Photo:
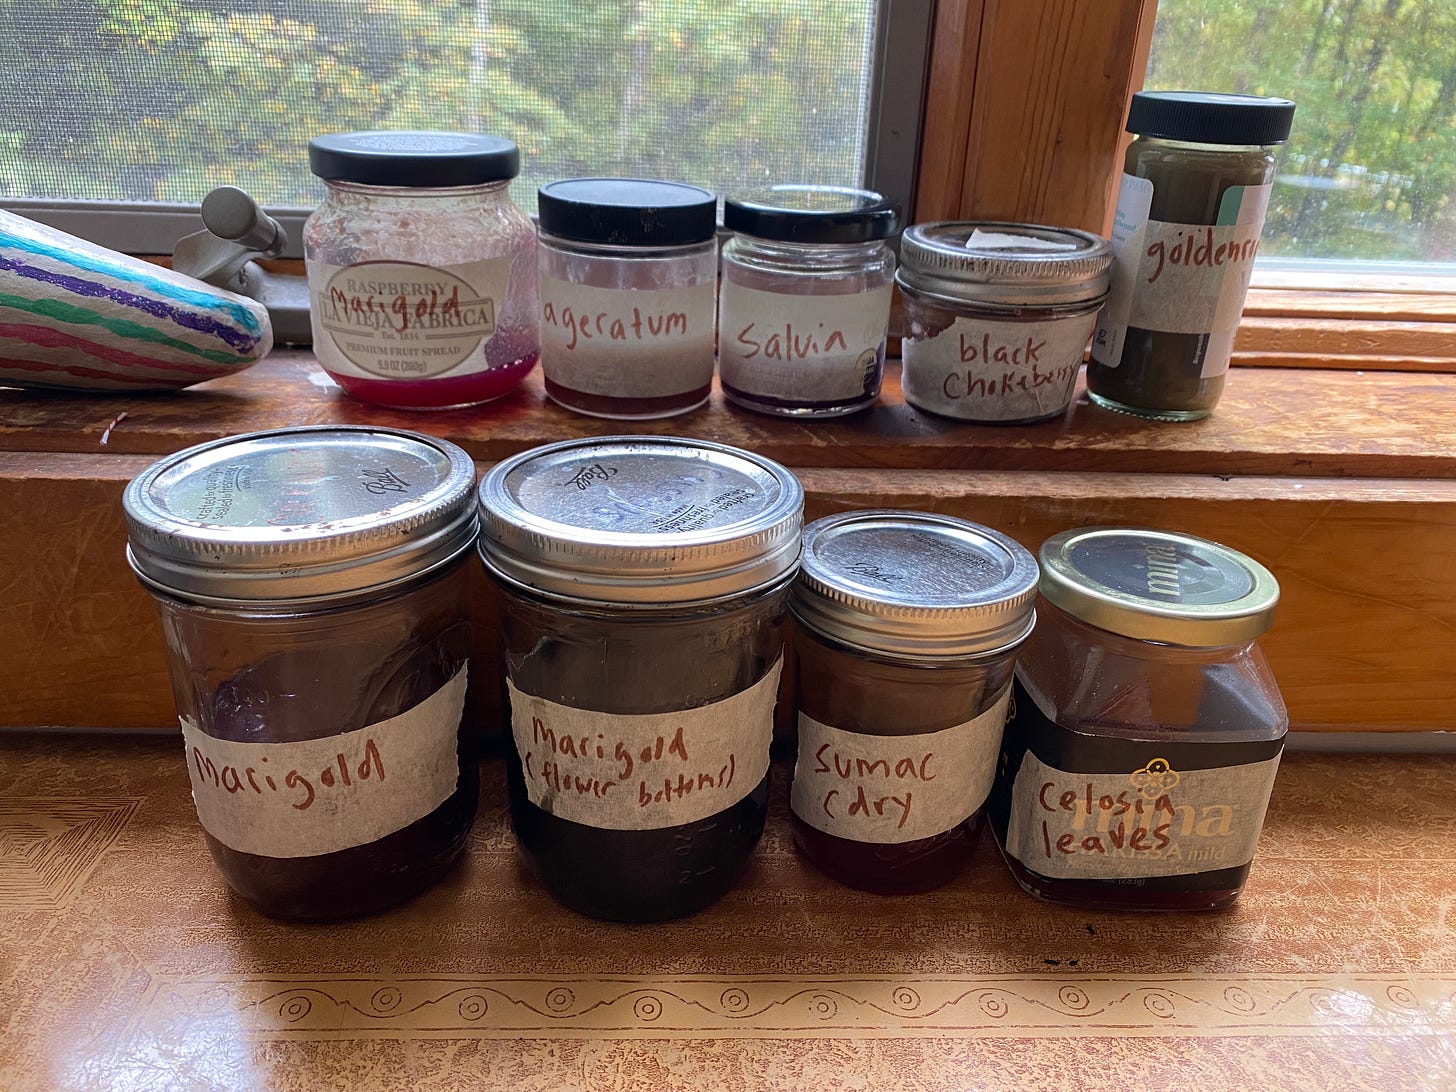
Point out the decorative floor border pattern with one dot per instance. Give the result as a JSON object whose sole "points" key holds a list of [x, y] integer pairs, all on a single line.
{"points": [[797, 1007]]}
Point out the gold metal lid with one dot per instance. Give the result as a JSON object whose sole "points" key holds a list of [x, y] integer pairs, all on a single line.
{"points": [[1161, 586]]}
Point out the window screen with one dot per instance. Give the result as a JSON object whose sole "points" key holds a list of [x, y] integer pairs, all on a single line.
{"points": [[160, 100]]}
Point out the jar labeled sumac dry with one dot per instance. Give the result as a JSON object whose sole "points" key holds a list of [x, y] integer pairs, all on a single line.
{"points": [[1147, 730], [906, 631], [642, 585], [313, 588]]}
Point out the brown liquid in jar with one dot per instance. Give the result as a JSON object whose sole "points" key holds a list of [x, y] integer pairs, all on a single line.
{"points": [[602, 405], [857, 691], [653, 662], [383, 660]]}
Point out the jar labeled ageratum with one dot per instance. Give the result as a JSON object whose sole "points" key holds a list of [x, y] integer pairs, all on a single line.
{"points": [[1190, 211], [421, 270], [997, 317], [629, 268], [642, 586], [805, 300], [907, 627], [1147, 730], [313, 586]]}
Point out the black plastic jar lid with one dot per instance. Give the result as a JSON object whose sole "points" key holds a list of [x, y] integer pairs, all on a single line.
{"points": [[627, 211], [1203, 117], [416, 158], [812, 214]]}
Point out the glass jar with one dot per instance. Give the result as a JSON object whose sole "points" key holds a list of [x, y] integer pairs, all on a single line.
{"points": [[997, 317], [1190, 210], [805, 299], [313, 587], [906, 631], [628, 271], [1147, 728], [642, 586], [421, 269]]}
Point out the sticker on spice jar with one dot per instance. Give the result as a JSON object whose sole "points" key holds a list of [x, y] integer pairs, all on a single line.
{"points": [[991, 370], [891, 789], [623, 343], [324, 795], [798, 348], [643, 771]]}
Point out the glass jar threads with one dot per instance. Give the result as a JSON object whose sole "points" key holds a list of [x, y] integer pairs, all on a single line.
{"points": [[421, 270], [629, 267], [642, 585], [805, 299], [997, 317], [1190, 211], [907, 627], [313, 587], [1147, 730]]}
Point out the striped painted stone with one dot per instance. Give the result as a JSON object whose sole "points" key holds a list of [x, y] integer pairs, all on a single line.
{"points": [[76, 316]]}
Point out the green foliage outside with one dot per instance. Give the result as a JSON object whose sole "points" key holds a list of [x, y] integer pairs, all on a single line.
{"points": [[1370, 170], [160, 100]]}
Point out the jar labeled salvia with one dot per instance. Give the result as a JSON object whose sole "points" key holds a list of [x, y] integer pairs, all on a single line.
{"points": [[313, 586], [629, 268], [1137, 767], [1190, 211], [421, 270], [907, 628], [997, 317], [642, 586], [805, 299]]}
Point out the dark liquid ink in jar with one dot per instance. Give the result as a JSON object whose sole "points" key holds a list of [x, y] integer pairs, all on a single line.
{"points": [[1147, 728], [313, 586], [642, 588], [906, 631]]}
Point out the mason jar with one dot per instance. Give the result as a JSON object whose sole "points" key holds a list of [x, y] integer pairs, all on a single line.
{"points": [[907, 626], [313, 588], [421, 269], [642, 591], [804, 304], [629, 267], [1190, 211], [1147, 727]]}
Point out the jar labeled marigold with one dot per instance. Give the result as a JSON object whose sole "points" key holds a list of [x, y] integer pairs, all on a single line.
{"points": [[313, 587], [907, 628], [1138, 764], [642, 585]]}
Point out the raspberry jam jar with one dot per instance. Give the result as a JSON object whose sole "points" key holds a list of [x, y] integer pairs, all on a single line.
{"points": [[313, 587], [642, 591], [906, 631], [1147, 727], [421, 269]]}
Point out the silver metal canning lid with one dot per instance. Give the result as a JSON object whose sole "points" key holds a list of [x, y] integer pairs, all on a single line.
{"points": [[640, 520], [914, 583], [1159, 586], [299, 514], [1017, 264]]}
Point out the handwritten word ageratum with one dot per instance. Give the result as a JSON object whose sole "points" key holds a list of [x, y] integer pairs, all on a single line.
{"points": [[599, 766], [301, 786], [605, 326], [859, 770]]}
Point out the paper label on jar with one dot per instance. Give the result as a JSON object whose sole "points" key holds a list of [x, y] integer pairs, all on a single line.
{"points": [[403, 320], [800, 348], [993, 370], [627, 343], [322, 795], [1149, 808], [890, 789], [1190, 278], [643, 771], [1134, 200]]}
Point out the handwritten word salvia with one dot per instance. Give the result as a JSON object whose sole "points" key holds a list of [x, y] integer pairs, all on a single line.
{"points": [[302, 786], [791, 344]]}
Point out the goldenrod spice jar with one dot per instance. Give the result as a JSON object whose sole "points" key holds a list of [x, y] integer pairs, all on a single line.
{"points": [[313, 585], [907, 629], [1137, 767]]}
